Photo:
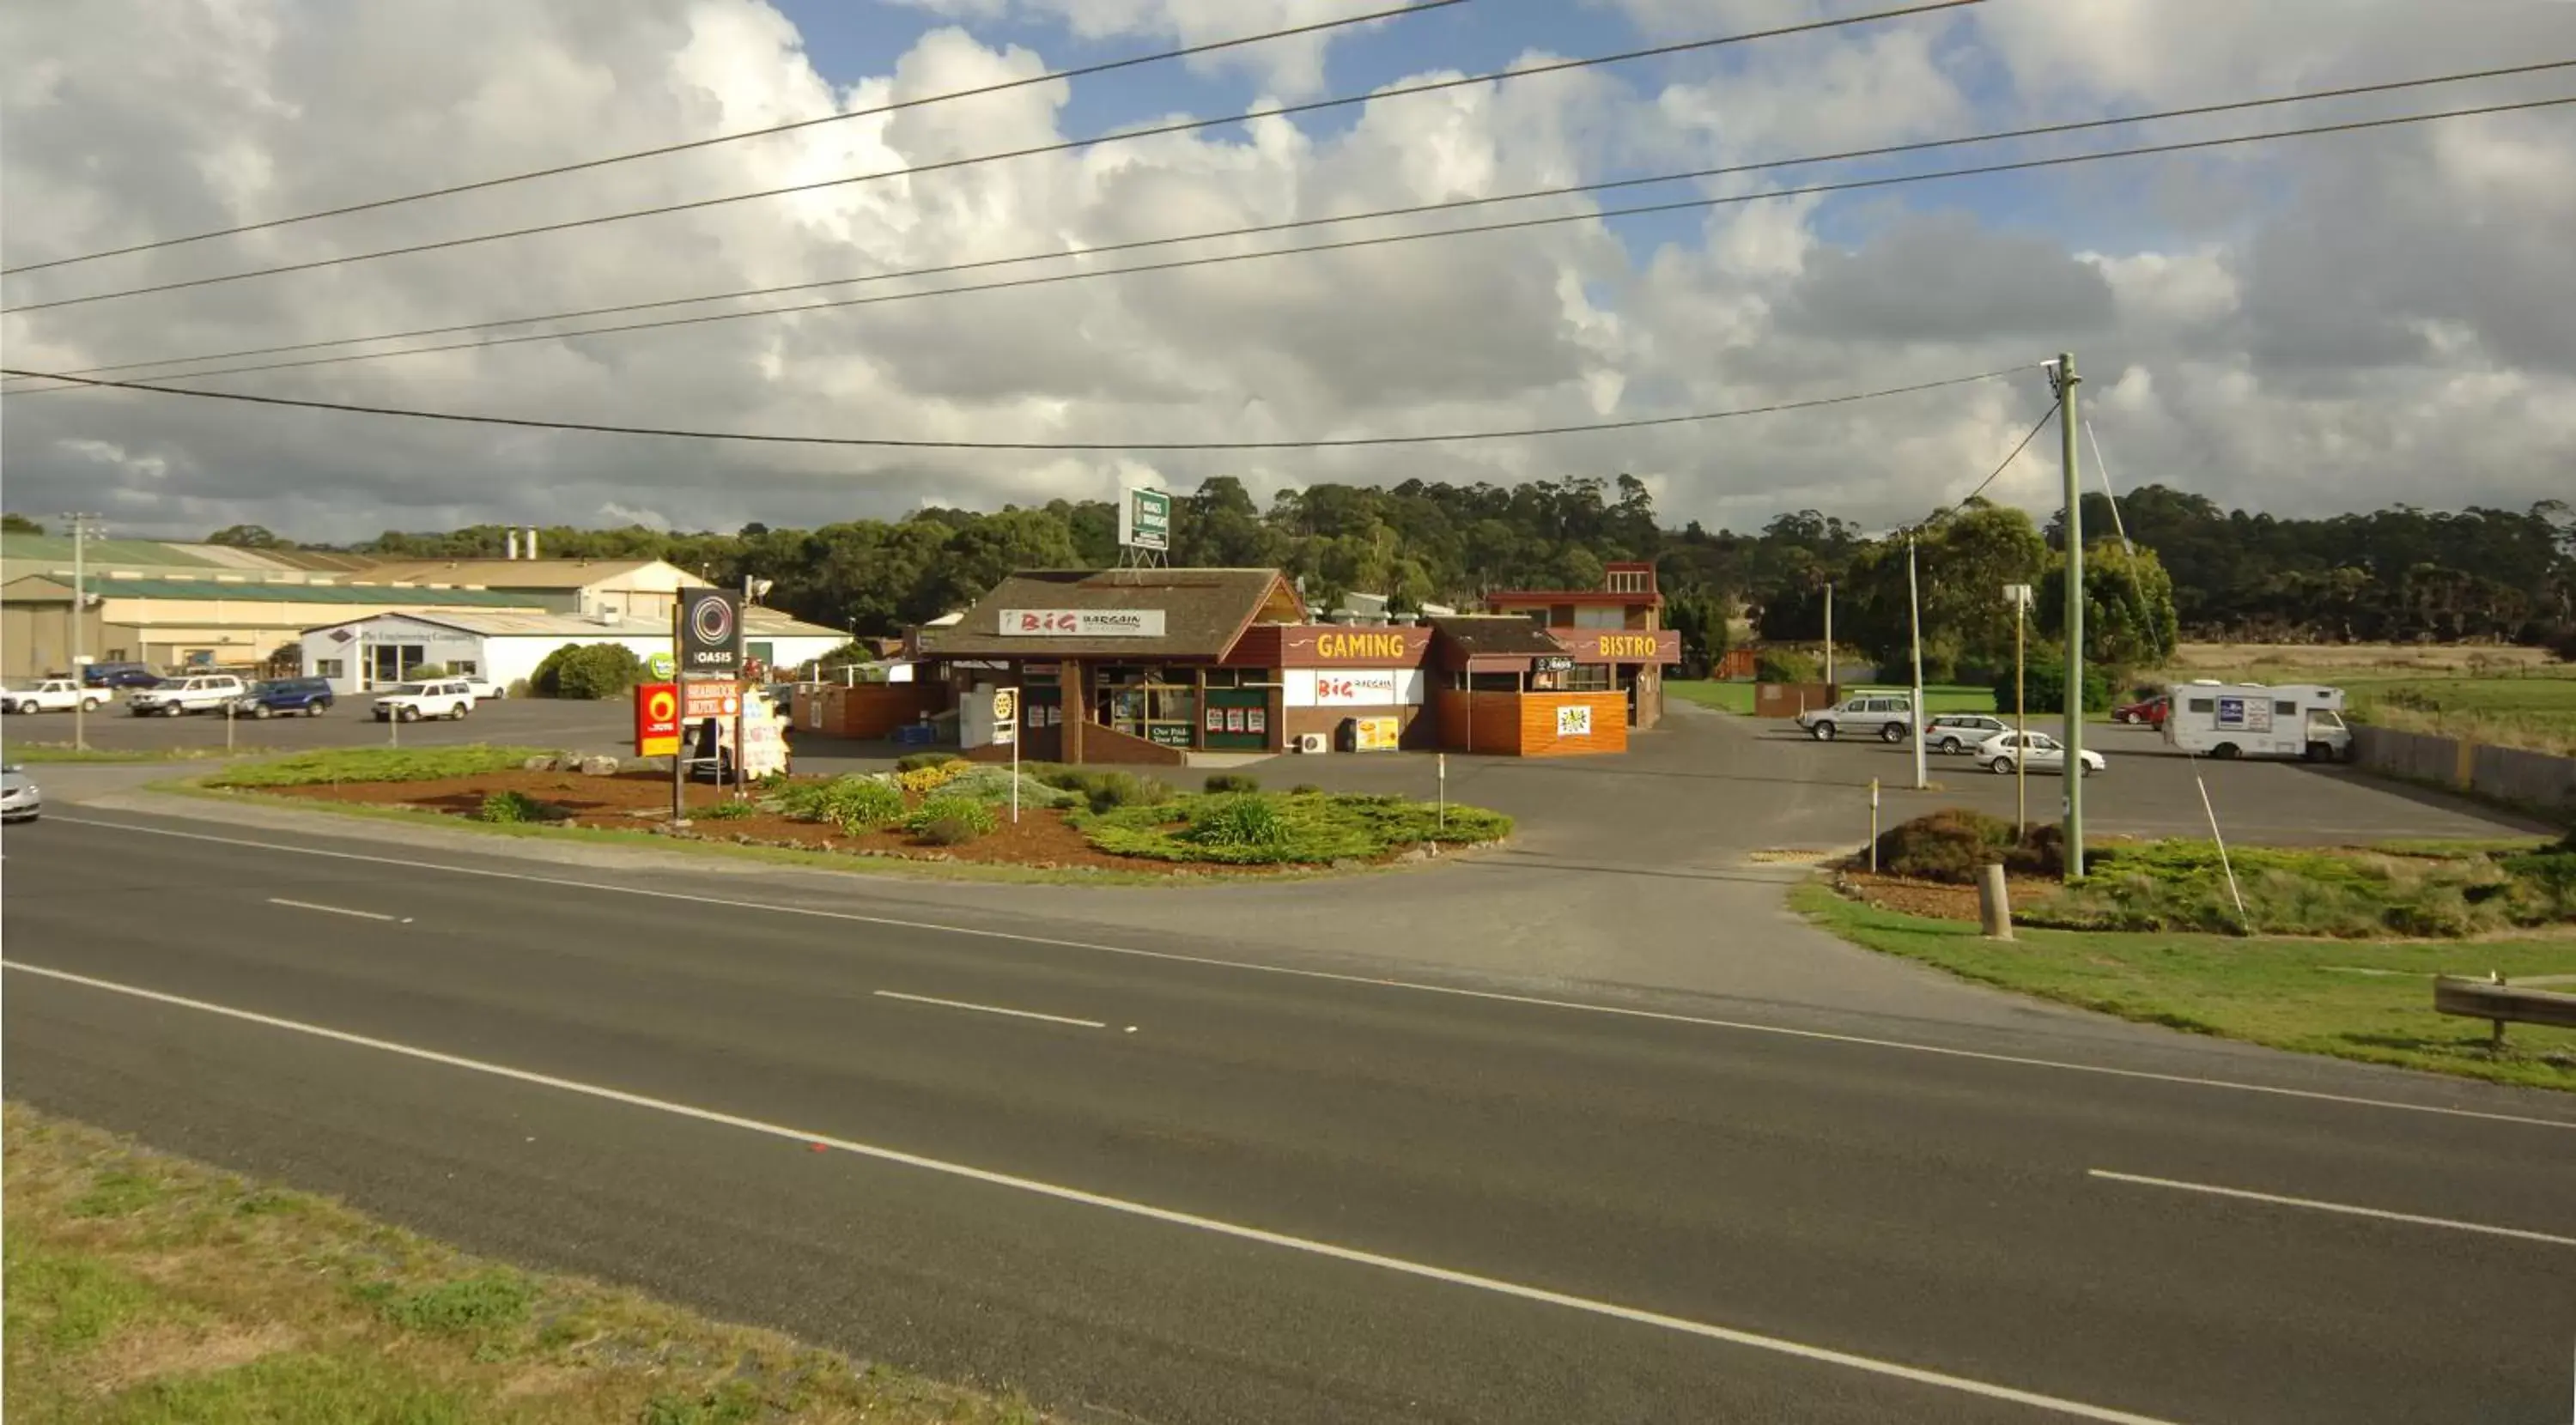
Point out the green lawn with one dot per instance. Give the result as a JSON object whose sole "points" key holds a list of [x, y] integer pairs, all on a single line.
{"points": [[34, 753], [145, 1289], [1738, 697], [2368, 1000]]}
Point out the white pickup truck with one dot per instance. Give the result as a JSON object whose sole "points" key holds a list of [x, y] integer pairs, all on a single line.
{"points": [[52, 695], [410, 702]]}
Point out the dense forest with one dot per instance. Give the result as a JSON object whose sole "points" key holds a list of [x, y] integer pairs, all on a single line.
{"points": [[2192, 569]]}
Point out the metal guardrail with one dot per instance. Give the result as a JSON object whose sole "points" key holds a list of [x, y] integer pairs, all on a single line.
{"points": [[2502, 1003]]}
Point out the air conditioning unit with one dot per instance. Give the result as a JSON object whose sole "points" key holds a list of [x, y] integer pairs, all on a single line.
{"points": [[1313, 742]]}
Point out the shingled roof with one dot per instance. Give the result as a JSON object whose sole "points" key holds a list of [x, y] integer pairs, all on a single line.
{"points": [[1497, 636], [1204, 612]]}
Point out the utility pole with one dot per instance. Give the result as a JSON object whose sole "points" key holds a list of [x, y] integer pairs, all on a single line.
{"points": [[1829, 642], [2067, 424], [80, 523], [1914, 598]]}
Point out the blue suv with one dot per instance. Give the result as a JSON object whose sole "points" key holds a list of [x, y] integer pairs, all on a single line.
{"points": [[118, 675], [275, 696]]}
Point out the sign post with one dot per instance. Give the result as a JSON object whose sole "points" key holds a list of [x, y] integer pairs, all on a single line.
{"points": [[1441, 760], [706, 641], [1145, 520], [679, 759], [1006, 728]]}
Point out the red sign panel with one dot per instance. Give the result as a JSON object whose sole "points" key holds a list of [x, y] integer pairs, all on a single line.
{"points": [[657, 720]]}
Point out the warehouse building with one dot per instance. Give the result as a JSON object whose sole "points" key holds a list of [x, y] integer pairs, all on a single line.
{"points": [[505, 646]]}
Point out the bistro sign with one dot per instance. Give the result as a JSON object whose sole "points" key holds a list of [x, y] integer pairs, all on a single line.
{"points": [[1080, 623], [1661, 645]]}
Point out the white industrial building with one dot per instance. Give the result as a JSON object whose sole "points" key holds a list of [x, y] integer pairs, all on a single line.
{"points": [[505, 647]]}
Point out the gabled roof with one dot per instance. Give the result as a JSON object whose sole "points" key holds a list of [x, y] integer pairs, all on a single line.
{"points": [[1204, 612], [99, 552], [1496, 635], [530, 623]]}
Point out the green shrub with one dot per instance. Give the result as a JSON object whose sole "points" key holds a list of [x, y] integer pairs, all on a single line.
{"points": [[1305, 789], [513, 807], [727, 811], [915, 761], [586, 670], [991, 782], [953, 821], [1784, 665], [2044, 687], [1219, 782], [425, 672], [1947, 846], [1104, 790], [852, 804], [1245, 819]]}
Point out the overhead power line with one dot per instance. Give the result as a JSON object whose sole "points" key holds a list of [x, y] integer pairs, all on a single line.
{"points": [[1080, 72], [1180, 126], [1844, 186], [1261, 229], [1331, 443]]}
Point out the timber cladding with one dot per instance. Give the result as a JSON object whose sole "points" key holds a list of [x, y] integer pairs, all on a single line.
{"points": [[1533, 724]]}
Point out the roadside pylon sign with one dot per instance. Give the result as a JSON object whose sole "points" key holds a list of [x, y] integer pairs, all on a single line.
{"points": [[657, 720]]}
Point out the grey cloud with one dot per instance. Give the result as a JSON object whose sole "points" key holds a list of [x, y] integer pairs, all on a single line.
{"points": [[1941, 276]]}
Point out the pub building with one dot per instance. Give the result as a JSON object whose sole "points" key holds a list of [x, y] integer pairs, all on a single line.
{"points": [[1149, 665]]}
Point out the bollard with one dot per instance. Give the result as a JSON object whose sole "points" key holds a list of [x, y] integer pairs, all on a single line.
{"points": [[1994, 903], [1873, 826]]}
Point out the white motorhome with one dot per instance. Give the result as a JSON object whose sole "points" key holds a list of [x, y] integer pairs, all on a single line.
{"points": [[2257, 720]]}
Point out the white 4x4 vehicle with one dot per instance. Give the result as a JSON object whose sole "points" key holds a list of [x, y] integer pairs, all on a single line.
{"points": [[1887, 716], [448, 697], [53, 695], [199, 692]]}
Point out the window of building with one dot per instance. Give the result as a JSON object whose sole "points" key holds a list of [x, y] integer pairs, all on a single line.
{"points": [[465, 667], [1494, 682], [1224, 677], [1600, 616], [330, 668], [1587, 678], [1627, 581]]}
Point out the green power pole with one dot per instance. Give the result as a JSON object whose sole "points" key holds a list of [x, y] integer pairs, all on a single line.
{"points": [[2067, 424]]}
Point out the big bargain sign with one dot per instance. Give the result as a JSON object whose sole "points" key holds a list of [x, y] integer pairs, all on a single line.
{"points": [[657, 720]]}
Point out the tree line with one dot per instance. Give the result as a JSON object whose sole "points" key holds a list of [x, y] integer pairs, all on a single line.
{"points": [[2186, 570]]}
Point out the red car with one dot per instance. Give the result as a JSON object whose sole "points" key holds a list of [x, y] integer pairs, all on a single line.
{"points": [[2149, 712]]}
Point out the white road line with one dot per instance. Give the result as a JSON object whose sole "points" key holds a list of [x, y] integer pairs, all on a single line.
{"points": [[330, 909], [2346, 1208], [1493, 996], [1730, 1335], [991, 1009]]}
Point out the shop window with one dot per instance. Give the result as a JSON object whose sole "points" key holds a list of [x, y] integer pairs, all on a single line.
{"points": [[333, 668], [1224, 677], [1588, 678], [465, 667], [1158, 712], [1494, 682]]}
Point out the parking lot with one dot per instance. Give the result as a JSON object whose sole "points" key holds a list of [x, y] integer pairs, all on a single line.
{"points": [[537, 721], [2149, 789]]}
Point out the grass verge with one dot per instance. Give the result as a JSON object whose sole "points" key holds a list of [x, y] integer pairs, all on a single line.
{"points": [[2371, 1001], [32, 753], [145, 1289], [1738, 697], [374, 764]]}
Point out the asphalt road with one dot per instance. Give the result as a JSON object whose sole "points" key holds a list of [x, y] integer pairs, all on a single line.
{"points": [[1202, 1192]]}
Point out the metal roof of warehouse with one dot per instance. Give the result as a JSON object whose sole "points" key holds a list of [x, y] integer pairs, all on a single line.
{"points": [[252, 589], [756, 623]]}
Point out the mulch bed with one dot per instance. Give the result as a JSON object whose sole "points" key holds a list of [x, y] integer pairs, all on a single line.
{"points": [[1934, 899], [641, 801]]}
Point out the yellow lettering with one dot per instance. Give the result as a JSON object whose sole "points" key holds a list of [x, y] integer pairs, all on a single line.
{"points": [[1359, 645]]}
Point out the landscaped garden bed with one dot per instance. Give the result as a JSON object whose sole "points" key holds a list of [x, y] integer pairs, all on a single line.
{"points": [[929, 809]]}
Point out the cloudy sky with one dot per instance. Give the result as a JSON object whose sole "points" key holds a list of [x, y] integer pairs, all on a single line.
{"points": [[2305, 326]]}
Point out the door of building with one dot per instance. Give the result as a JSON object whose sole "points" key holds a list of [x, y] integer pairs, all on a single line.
{"points": [[1236, 720]]}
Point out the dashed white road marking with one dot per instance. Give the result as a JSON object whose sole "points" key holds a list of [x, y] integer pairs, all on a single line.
{"points": [[990, 1009], [2345, 1208]]}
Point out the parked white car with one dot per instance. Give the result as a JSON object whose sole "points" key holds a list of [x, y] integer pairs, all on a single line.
{"points": [[484, 689], [198, 692], [2038, 751], [410, 702], [52, 695]]}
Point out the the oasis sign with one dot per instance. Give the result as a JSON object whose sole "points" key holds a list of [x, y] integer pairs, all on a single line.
{"points": [[1081, 623]]}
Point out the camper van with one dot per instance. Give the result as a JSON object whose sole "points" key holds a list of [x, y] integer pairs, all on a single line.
{"points": [[2254, 720]]}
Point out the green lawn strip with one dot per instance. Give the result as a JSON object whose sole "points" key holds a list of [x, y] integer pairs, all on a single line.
{"points": [[145, 1289], [1738, 697], [374, 764], [32, 753], [1270, 828], [2367, 1000]]}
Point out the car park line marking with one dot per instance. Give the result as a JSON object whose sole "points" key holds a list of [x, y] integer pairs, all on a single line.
{"points": [[2342, 1207], [1424, 987], [335, 909], [990, 1009], [1081, 1197]]}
